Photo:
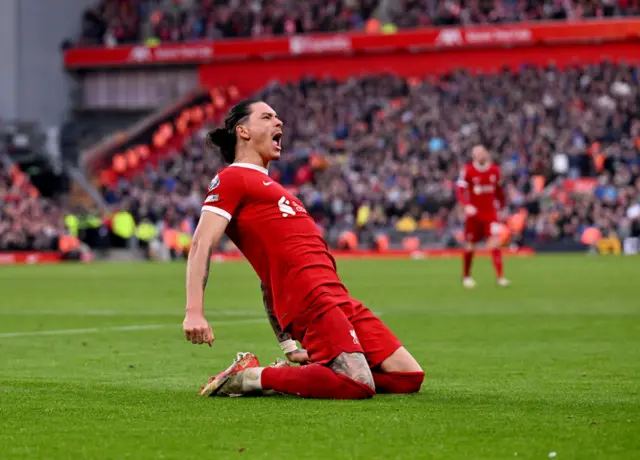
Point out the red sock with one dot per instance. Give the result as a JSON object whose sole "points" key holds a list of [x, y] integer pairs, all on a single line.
{"points": [[398, 382], [467, 259], [496, 257], [313, 381]]}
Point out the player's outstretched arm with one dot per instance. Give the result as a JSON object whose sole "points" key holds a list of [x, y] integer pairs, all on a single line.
{"points": [[288, 345], [208, 232]]}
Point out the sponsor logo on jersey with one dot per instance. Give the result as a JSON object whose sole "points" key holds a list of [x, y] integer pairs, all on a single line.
{"points": [[266, 184], [214, 183], [212, 198], [285, 208], [480, 189], [290, 207]]}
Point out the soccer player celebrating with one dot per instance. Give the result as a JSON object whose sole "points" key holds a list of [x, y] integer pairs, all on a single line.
{"points": [[482, 196], [353, 354]]}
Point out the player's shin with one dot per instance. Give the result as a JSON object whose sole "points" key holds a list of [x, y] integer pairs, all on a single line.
{"points": [[467, 261], [496, 259], [314, 381]]}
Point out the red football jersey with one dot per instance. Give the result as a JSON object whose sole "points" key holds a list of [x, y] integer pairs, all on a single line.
{"points": [[482, 188], [272, 229]]}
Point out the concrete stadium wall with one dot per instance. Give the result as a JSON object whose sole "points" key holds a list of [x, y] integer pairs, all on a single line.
{"points": [[33, 84], [8, 59]]}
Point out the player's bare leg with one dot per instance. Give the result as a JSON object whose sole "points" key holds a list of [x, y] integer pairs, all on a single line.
{"points": [[399, 373], [467, 261], [493, 244]]}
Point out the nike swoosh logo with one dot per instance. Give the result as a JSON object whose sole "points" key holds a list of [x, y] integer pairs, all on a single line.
{"points": [[266, 184]]}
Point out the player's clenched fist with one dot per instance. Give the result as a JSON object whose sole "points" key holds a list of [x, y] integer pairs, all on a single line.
{"points": [[197, 330]]}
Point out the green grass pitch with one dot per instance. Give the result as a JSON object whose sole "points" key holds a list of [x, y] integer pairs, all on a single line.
{"points": [[93, 364]]}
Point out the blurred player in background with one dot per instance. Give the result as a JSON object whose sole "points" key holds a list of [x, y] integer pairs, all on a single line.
{"points": [[353, 354], [480, 192]]}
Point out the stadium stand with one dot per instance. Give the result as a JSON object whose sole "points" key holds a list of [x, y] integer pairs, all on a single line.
{"points": [[113, 22], [380, 154], [373, 157], [27, 221], [416, 13]]}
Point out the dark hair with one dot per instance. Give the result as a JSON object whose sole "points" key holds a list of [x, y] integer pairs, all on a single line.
{"points": [[225, 138]]}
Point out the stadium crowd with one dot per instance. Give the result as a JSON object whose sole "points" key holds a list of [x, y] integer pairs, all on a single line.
{"points": [[112, 22], [381, 153], [27, 221]]}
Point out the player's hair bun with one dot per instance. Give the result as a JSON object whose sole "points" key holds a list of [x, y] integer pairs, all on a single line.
{"points": [[218, 138], [224, 140]]}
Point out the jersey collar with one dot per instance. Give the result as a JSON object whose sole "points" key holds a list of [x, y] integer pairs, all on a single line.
{"points": [[250, 166], [482, 168]]}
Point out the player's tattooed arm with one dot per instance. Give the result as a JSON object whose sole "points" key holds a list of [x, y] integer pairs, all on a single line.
{"points": [[275, 324], [287, 344], [354, 366]]}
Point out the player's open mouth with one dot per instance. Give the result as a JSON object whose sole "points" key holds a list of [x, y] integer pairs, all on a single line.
{"points": [[276, 140]]}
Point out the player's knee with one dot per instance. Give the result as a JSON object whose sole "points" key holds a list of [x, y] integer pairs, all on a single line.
{"points": [[355, 367], [493, 243]]}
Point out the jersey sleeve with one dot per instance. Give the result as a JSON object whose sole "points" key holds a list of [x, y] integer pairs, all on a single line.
{"points": [[224, 194]]}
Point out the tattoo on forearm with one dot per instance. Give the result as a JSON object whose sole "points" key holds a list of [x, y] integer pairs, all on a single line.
{"points": [[354, 366], [275, 324], [206, 270]]}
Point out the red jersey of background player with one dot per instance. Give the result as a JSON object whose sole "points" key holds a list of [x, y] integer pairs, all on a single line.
{"points": [[272, 229], [481, 187]]}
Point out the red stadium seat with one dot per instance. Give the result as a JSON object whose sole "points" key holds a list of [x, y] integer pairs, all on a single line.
{"points": [[119, 163]]}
